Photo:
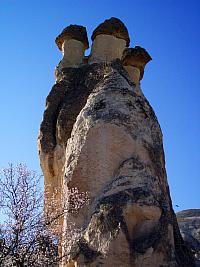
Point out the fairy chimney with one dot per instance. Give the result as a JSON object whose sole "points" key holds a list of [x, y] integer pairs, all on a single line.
{"points": [[101, 152], [134, 61], [110, 39], [72, 42]]}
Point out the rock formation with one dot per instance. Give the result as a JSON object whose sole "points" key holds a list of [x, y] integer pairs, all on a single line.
{"points": [[100, 147], [189, 223]]}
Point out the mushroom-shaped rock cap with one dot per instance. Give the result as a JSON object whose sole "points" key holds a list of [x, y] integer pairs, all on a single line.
{"points": [[76, 32], [137, 57], [112, 26]]}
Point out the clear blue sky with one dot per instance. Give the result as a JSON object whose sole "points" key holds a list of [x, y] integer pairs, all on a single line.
{"points": [[169, 30]]}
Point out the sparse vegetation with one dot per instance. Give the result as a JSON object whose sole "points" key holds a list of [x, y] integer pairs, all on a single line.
{"points": [[29, 236], [25, 239]]}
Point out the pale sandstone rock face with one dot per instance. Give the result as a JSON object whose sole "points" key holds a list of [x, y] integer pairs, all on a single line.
{"points": [[73, 53], [72, 42], [100, 136], [106, 48], [110, 39]]}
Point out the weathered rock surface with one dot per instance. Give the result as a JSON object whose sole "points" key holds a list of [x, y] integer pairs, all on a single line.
{"points": [[75, 32], [136, 57], [189, 223], [110, 39], [73, 42], [100, 138], [114, 27], [106, 48]]}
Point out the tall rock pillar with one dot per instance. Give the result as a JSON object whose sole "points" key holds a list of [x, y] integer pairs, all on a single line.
{"points": [[101, 145]]}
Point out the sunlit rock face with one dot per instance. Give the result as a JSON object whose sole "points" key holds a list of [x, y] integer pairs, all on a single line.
{"points": [[101, 146], [73, 53], [110, 39], [106, 48], [72, 42]]}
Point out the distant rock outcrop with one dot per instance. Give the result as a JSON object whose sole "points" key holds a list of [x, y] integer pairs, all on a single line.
{"points": [[100, 143], [189, 224]]}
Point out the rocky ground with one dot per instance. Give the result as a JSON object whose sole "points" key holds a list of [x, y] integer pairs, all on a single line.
{"points": [[189, 223]]}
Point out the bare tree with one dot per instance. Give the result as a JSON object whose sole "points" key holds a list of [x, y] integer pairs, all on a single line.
{"points": [[25, 239], [29, 236]]}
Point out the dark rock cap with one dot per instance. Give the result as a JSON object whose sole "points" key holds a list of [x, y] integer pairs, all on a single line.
{"points": [[136, 54], [137, 57], [76, 32], [112, 26]]}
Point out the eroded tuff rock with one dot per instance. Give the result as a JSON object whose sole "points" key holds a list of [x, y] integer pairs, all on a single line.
{"points": [[72, 42], [110, 39], [100, 136], [189, 223], [136, 57], [114, 27], [76, 32]]}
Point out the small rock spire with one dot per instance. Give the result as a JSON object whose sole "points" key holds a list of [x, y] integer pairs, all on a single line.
{"points": [[110, 38], [135, 60], [114, 27], [73, 42], [75, 32]]}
